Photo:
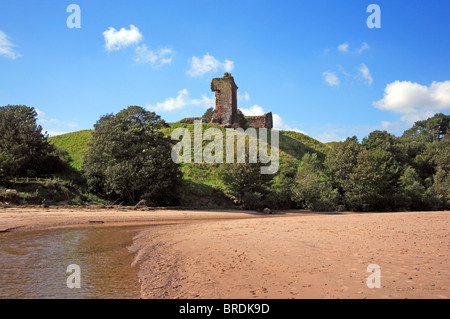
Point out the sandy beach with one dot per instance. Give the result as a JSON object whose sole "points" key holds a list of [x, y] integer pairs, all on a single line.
{"points": [[298, 257], [236, 254]]}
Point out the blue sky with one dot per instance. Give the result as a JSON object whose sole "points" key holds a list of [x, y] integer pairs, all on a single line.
{"points": [[315, 64]]}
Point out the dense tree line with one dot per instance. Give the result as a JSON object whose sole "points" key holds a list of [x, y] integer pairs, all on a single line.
{"points": [[129, 161], [381, 173]]}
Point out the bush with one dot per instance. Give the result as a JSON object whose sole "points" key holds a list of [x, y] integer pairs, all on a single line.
{"points": [[241, 121], [246, 184], [207, 117]]}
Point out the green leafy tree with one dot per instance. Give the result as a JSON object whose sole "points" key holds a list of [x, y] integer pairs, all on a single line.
{"points": [[6, 166], [24, 145], [310, 188], [341, 161], [129, 158], [439, 155], [379, 139], [415, 192], [280, 195], [246, 184], [441, 188], [434, 128], [372, 185]]}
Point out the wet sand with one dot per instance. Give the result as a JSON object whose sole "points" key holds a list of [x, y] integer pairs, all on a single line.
{"points": [[235, 254], [29, 218]]}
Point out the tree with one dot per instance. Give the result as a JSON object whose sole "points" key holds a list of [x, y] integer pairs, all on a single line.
{"points": [[24, 144], [415, 193], [439, 155], [310, 188], [280, 195], [434, 128], [340, 162], [372, 184], [379, 139], [129, 159], [246, 184], [6, 166]]}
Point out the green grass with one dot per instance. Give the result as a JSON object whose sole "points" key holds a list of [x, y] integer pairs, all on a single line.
{"points": [[76, 144], [200, 179], [292, 144], [332, 144]]}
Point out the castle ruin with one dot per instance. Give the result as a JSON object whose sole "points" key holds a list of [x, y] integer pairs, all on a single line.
{"points": [[226, 105]]}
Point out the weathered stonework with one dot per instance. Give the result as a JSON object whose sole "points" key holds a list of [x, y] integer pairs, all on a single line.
{"points": [[226, 100], [226, 105], [263, 121]]}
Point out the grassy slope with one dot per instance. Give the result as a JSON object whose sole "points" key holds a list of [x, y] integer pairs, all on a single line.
{"points": [[201, 179], [76, 144]]}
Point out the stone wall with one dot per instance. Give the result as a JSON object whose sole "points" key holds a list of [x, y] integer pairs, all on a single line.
{"points": [[263, 121], [226, 100]]}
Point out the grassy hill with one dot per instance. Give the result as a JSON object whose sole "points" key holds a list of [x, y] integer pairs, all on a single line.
{"points": [[76, 144], [201, 180]]}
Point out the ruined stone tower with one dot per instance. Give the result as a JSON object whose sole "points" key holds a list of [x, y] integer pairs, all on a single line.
{"points": [[226, 105], [226, 100]]}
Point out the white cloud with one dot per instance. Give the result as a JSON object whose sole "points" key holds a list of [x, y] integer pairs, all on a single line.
{"points": [[343, 47], [386, 124], [363, 47], [342, 70], [415, 101], [7, 48], [154, 58], [54, 126], [243, 97], [329, 137], [208, 63], [182, 100], [115, 40], [228, 66], [396, 127], [365, 73], [331, 78], [54, 121], [278, 122], [39, 113], [55, 132], [255, 110]]}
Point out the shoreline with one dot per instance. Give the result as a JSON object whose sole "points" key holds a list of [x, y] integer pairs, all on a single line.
{"points": [[24, 218], [215, 254], [30, 217]]}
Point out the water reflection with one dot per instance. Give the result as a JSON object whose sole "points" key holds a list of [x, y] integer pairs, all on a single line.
{"points": [[33, 264]]}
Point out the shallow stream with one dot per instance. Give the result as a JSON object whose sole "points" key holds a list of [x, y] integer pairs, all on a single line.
{"points": [[33, 264]]}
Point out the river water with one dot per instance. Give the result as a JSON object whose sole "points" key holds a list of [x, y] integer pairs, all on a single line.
{"points": [[33, 264]]}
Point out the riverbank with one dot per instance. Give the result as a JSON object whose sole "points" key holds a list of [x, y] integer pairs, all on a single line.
{"points": [[238, 254], [30, 218]]}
